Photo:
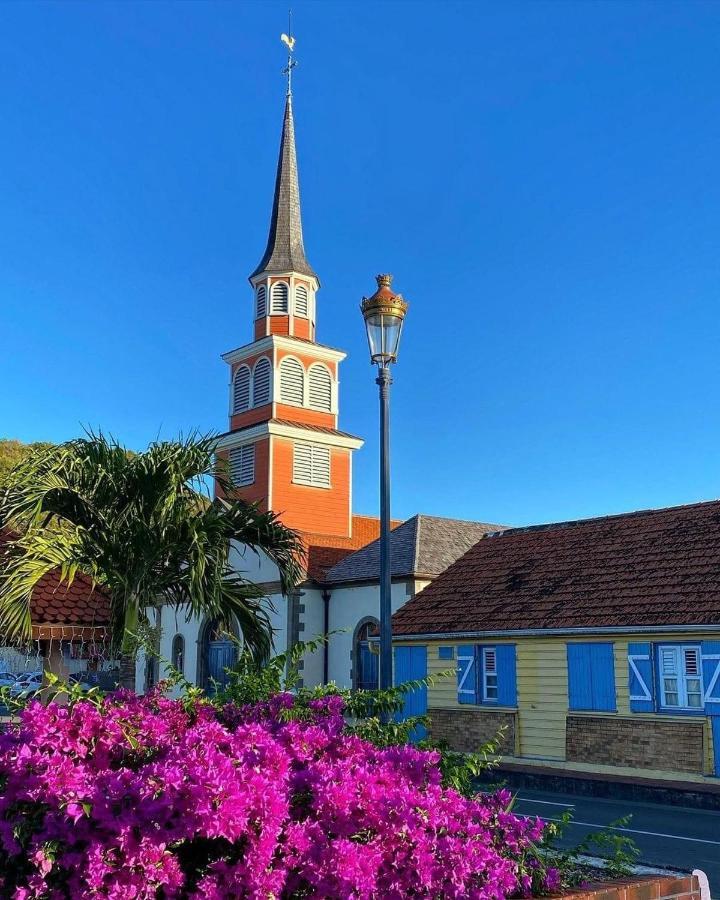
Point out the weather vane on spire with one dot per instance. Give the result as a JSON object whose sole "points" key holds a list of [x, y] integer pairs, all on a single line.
{"points": [[289, 42]]}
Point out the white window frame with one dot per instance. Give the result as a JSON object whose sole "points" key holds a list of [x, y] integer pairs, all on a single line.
{"points": [[261, 291], [489, 675], [272, 309], [680, 675], [296, 310], [331, 386], [245, 450], [303, 380], [233, 398], [266, 360], [317, 454]]}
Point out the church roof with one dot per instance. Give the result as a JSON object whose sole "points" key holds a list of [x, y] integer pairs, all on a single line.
{"points": [[423, 545], [656, 567], [285, 251]]}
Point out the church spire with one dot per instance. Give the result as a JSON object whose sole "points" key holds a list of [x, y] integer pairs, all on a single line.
{"points": [[285, 251]]}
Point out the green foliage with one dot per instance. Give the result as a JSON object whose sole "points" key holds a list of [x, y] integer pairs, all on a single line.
{"points": [[618, 852], [13, 452], [143, 526], [461, 771]]}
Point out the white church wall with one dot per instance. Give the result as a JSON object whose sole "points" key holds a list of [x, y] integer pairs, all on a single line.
{"points": [[348, 607], [312, 618]]}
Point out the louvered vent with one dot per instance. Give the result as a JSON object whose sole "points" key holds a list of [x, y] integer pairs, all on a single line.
{"points": [[261, 302], [292, 377], [669, 661], [261, 382], [490, 661], [692, 661], [301, 301], [311, 465], [320, 387], [242, 465], [279, 298], [241, 390]]}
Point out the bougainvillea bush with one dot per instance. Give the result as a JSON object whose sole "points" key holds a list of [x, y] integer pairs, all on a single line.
{"points": [[130, 797]]}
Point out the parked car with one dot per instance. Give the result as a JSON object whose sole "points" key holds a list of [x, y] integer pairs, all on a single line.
{"points": [[7, 679], [26, 684]]}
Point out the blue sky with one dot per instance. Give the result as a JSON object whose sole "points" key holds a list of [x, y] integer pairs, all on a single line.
{"points": [[542, 179]]}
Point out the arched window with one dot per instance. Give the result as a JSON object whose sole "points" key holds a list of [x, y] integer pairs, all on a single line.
{"points": [[261, 382], [279, 298], [301, 301], [241, 390], [292, 382], [365, 662], [320, 387], [178, 653], [261, 302]]}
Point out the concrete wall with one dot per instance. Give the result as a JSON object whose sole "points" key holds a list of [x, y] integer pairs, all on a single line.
{"points": [[350, 606]]}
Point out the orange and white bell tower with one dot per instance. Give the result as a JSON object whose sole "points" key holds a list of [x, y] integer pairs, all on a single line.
{"points": [[283, 446]]}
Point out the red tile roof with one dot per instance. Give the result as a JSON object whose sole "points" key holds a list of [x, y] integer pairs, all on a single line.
{"points": [[56, 604], [649, 568], [324, 551]]}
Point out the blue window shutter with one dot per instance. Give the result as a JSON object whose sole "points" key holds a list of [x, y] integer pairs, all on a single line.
{"points": [[640, 677], [411, 665], [579, 679], [506, 675], [711, 676], [711, 686], [467, 674], [446, 653], [603, 677]]}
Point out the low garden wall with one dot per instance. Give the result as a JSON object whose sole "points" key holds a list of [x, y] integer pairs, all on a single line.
{"points": [[652, 888]]}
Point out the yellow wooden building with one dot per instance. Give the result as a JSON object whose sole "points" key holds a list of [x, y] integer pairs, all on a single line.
{"points": [[594, 645]]}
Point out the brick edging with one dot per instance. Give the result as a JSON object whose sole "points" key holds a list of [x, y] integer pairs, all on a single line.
{"points": [[652, 887]]}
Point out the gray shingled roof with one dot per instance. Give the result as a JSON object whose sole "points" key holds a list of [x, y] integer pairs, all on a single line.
{"points": [[423, 545], [285, 251]]}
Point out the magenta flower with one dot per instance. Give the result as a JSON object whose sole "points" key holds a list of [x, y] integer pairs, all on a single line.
{"points": [[145, 798]]}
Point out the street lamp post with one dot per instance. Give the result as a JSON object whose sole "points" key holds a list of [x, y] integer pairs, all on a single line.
{"points": [[384, 313]]}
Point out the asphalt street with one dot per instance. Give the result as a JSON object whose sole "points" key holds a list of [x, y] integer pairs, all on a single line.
{"points": [[675, 837]]}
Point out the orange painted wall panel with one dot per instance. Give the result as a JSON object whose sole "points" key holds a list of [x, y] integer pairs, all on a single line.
{"points": [[251, 417], [317, 510], [250, 361], [302, 328], [304, 416], [279, 324], [258, 491]]}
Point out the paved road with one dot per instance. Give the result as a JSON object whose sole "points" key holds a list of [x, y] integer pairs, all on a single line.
{"points": [[673, 836]]}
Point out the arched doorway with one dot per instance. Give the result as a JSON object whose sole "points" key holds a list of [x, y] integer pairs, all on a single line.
{"points": [[217, 652], [365, 662]]}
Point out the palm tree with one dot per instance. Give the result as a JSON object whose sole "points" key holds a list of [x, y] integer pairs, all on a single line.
{"points": [[144, 527]]}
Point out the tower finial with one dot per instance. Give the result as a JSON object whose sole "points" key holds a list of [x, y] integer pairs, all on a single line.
{"points": [[289, 41]]}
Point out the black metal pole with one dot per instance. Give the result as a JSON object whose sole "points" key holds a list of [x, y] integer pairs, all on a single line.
{"points": [[386, 670]]}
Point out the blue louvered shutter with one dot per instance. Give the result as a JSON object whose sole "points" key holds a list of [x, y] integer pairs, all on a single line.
{"points": [[467, 674], [640, 677], [711, 686], [603, 677], [507, 676], [579, 677]]}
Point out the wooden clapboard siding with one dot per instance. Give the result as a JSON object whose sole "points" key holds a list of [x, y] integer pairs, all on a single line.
{"points": [[542, 687], [542, 698]]}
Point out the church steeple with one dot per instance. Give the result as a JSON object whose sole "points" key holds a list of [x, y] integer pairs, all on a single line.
{"points": [[285, 251], [283, 445]]}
